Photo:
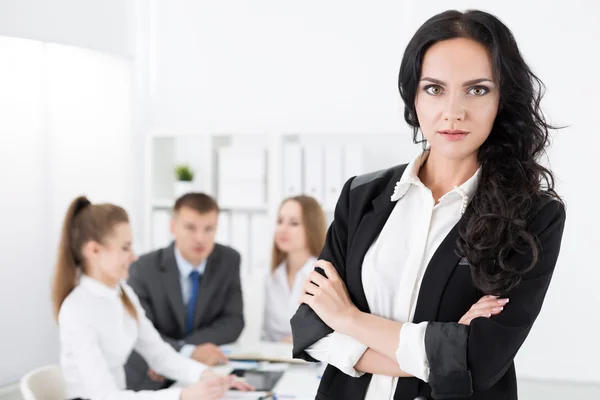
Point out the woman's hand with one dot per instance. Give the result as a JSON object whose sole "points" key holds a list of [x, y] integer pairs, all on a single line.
{"points": [[328, 297], [485, 307], [155, 376], [241, 384], [287, 339], [209, 387], [236, 382]]}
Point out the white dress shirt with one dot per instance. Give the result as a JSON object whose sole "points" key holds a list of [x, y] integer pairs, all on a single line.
{"points": [[392, 271], [281, 301], [185, 268], [97, 335]]}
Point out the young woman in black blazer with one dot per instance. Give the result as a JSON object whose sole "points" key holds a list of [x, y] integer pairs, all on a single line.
{"points": [[409, 299]]}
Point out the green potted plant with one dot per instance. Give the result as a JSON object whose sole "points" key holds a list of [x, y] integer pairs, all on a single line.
{"points": [[184, 177]]}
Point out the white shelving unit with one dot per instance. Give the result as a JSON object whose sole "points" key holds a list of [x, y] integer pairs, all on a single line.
{"points": [[165, 150]]}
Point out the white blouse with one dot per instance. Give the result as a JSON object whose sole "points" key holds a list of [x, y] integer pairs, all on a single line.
{"points": [[392, 272], [281, 301], [97, 335]]}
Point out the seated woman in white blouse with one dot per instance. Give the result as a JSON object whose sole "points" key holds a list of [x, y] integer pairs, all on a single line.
{"points": [[101, 320], [299, 238]]}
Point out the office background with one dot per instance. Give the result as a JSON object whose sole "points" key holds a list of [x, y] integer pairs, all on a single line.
{"points": [[103, 97]]}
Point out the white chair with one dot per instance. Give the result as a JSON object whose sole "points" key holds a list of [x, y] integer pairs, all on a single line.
{"points": [[45, 383]]}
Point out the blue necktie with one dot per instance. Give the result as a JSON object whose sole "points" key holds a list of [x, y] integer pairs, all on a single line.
{"points": [[195, 277]]}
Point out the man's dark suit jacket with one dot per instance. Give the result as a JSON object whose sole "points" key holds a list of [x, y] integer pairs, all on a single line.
{"points": [[473, 362], [219, 315]]}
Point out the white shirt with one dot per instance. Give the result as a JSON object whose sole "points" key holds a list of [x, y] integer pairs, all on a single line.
{"points": [[97, 335], [281, 301], [185, 268], [392, 272]]}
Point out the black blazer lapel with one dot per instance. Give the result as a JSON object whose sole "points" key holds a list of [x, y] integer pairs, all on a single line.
{"points": [[172, 284], [440, 268], [366, 233], [208, 285]]}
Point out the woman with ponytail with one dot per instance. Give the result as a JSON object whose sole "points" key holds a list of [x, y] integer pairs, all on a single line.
{"points": [[101, 320], [410, 299]]}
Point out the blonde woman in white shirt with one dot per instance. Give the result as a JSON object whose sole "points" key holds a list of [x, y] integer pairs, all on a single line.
{"points": [[299, 238], [101, 320]]}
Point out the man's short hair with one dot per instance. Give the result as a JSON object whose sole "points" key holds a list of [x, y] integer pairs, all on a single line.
{"points": [[200, 202]]}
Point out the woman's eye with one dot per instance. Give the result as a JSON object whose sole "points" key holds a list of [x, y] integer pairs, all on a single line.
{"points": [[434, 89], [478, 90]]}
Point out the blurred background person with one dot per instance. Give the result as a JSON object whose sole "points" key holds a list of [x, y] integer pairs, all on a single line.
{"points": [[299, 238], [190, 290]]}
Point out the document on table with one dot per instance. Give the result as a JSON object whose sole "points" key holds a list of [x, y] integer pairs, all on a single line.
{"points": [[233, 395]]}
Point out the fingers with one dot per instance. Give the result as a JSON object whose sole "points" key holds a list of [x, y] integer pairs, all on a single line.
{"points": [[489, 303], [212, 355], [306, 299], [486, 307], [487, 297], [219, 356], [242, 385], [316, 278], [155, 377], [328, 268]]}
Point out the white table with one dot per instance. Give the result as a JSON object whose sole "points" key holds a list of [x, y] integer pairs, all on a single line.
{"points": [[299, 381]]}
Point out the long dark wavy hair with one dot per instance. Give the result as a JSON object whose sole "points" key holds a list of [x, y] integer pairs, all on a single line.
{"points": [[512, 178]]}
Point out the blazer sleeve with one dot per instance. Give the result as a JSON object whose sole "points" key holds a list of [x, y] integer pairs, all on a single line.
{"points": [[138, 284], [307, 327], [466, 359]]}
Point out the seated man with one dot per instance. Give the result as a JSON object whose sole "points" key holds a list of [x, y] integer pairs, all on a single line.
{"points": [[190, 290]]}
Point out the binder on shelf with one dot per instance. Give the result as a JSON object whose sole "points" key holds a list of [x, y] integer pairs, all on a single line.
{"points": [[240, 237], [242, 163], [292, 169], [313, 172], [353, 161], [334, 178], [161, 229], [242, 194], [241, 177], [261, 242], [223, 235]]}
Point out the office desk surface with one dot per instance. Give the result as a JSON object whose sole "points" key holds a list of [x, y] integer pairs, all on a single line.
{"points": [[299, 381]]}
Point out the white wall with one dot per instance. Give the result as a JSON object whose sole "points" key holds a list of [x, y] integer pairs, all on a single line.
{"points": [[25, 315], [65, 130], [100, 25], [329, 67]]}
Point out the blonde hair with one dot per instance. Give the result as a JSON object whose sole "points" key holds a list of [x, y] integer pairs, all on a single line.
{"points": [[84, 222], [315, 228]]}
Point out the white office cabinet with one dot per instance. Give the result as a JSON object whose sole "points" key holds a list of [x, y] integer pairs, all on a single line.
{"points": [[223, 235], [241, 177], [334, 176], [353, 161], [261, 241], [240, 237], [313, 172], [161, 229], [241, 163], [250, 174], [292, 169]]}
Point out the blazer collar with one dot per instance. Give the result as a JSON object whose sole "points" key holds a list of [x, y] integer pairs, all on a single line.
{"points": [[438, 272], [382, 201], [439, 269]]}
